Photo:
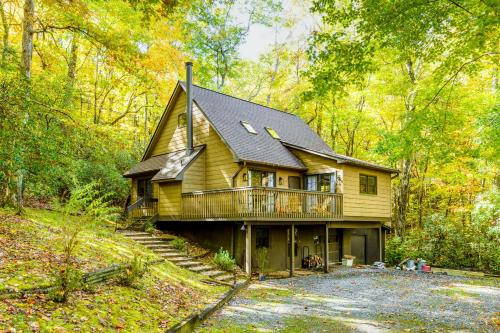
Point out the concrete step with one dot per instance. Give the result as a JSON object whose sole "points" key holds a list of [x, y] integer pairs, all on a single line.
{"points": [[213, 273], [167, 250], [178, 259], [200, 268], [188, 263]]}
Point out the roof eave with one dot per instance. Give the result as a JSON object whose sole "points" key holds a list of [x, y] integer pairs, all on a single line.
{"points": [[339, 160]]}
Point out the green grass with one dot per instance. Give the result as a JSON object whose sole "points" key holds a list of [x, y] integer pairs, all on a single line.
{"points": [[32, 248]]}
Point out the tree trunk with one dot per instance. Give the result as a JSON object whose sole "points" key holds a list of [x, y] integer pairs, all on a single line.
{"points": [[273, 77], [5, 36], [71, 79], [403, 197], [27, 40]]}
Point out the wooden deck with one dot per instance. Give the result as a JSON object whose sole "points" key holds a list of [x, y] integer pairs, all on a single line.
{"points": [[261, 203]]}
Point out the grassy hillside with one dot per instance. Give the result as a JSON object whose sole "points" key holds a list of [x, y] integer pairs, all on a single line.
{"points": [[31, 248]]}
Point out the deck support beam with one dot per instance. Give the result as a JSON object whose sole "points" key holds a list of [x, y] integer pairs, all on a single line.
{"points": [[248, 249], [380, 242], [292, 249], [326, 259]]}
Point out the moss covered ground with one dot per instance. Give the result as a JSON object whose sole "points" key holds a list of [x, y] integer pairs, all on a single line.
{"points": [[31, 248]]}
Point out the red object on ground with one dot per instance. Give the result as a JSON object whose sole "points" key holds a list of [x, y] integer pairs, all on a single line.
{"points": [[426, 268]]}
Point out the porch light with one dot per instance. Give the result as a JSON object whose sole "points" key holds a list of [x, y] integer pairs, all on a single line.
{"points": [[243, 228], [280, 180], [245, 177]]}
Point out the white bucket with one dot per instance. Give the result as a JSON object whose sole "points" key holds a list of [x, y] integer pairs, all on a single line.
{"points": [[347, 262]]}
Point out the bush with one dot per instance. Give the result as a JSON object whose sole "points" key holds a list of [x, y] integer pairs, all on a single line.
{"points": [[66, 280], [149, 226], [135, 270], [179, 244], [223, 260], [454, 244]]}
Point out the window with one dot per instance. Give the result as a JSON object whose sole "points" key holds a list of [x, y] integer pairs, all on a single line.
{"points": [[261, 178], [144, 189], [326, 182], [248, 127], [261, 238], [367, 184], [294, 182], [272, 133], [182, 120]]}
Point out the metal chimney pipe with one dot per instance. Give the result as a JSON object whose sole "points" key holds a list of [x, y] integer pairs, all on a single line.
{"points": [[189, 107]]}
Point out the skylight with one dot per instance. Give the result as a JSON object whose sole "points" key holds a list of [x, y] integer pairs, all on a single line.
{"points": [[273, 133], [248, 127]]}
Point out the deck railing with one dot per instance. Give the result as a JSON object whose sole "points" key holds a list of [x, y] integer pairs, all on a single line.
{"points": [[143, 208], [261, 202]]}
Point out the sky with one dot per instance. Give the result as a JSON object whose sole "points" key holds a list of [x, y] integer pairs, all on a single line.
{"points": [[261, 38]]}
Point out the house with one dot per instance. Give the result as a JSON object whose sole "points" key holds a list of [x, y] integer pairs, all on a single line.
{"points": [[235, 174]]}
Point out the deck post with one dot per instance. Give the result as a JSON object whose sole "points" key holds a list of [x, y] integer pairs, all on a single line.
{"points": [[326, 249], [380, 242], [292, 249], [248, 249]]}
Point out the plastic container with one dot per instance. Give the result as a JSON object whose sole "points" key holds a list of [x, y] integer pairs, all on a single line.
{"points": [[426, 268], [420, 264], [347, 262]]}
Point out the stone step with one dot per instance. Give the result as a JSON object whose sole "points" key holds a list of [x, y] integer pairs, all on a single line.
{"points": [[178, 259], [158, 246], [171, 255], [146, 238], [200, 268], [213, 273], [188, 263], [131, 233], [152, 242], [225, 278]]}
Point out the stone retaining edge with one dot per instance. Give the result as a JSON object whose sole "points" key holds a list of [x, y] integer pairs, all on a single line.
{"points": [[189, 324]]}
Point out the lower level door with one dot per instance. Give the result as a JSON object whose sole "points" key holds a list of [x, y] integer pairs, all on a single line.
{"points": [[358, 249], [334, 245]]}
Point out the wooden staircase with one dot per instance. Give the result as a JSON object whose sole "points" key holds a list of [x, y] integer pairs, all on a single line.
{"points": [[163, 248]]}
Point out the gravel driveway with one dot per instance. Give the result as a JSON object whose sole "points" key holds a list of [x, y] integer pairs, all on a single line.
{"points": [[363, 300]]}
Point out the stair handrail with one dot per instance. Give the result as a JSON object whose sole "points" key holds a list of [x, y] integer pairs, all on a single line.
{"points": [[135, 205]]}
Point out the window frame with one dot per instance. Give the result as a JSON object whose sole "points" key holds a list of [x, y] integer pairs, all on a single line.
{"points": [[319, 181], [248, 127], [272, 132], [183, 114], [367, 191], [261, 171]]}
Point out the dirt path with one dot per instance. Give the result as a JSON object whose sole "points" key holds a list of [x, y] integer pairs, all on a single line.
{"points": [[363, 300]]}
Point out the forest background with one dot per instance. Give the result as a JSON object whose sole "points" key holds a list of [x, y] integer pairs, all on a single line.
{"points": [[408, 84]]}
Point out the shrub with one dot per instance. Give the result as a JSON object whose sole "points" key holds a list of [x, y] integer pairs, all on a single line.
{"points": [[223, 260], [135, 270], [149, 226], [179, 244], [66, 280]]}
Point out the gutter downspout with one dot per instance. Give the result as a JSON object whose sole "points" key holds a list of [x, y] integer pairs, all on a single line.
{"points": [[189, 107]]}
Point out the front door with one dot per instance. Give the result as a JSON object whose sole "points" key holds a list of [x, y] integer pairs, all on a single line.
{"points": [[358, 249], [334, 245]]}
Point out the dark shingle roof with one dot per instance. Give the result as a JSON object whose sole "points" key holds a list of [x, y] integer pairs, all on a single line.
{"points": [[226, 113], [167, 166]]}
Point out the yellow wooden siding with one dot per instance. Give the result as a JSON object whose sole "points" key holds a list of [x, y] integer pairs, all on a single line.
{"points": [[355, 203], [366, 205], [219, 161], [169, 201], [194, 176]]}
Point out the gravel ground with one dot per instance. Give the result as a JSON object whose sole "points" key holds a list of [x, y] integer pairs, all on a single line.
{"points": [[365, 300]]}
